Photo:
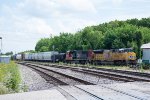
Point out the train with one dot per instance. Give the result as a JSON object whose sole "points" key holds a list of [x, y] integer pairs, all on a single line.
{"points": [[121, 56]]}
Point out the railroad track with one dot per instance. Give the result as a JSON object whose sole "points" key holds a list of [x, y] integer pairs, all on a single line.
{"points": [[66, 91], [46, 75], [90, 73], [59, 82], [113, 75], [59, 77], [118, 71], [118, 75], [126, 72], [140, 74]]}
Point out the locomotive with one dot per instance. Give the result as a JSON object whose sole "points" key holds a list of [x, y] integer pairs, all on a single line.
{"points": [[121, 56], [114, 56]]}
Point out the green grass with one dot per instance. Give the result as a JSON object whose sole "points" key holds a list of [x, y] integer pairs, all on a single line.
{"points": [[9, 78]]}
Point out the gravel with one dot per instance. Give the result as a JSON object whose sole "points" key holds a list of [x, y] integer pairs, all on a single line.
{"points": [[32, 81], [84, 76]]}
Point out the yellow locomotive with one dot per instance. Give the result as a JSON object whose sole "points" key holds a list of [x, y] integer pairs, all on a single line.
{"points": [[114, 56], [122, 56]]}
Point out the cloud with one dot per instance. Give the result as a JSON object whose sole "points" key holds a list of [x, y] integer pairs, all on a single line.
{"points": [[79, 5], [72, 26], [39, 7], [117, 2], [30, 20], [52, 8], [33, 25], [15, 21]]}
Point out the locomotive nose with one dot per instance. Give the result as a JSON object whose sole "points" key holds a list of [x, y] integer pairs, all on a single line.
{"points": [[132, 56]]}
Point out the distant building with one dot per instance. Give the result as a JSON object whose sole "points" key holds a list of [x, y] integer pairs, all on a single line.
{"points": [[5, 59], [146, 53]]}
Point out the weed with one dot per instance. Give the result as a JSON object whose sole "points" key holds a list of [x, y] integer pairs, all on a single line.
{"points": [[10, 76]]}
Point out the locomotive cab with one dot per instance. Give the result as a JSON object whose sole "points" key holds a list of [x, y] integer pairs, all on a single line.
{"points": [[130, 56], [69, 55], [127, 55]]}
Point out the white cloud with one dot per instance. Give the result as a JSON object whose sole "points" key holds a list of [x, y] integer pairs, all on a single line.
{"points": [[41, 5], [79, 5], [140, 0], [33, 19], [33, 25], [54, 7], [117, 2], [23, 23], [74, 25]]}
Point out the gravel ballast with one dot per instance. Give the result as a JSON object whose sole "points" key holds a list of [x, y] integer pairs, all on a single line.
{"points": [[83, 76], [32, 81]]}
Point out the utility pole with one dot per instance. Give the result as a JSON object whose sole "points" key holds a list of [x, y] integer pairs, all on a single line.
{"points": [[54, 53], [1, 46], [50, 35]]}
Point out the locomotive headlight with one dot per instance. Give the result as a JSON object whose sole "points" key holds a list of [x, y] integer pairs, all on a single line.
{"points": [[130, 57]]}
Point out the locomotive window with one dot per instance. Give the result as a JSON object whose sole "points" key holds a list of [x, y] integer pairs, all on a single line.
{"points": [[124, 50], [74, 55], [98, 51], [128, 50], [120, 51], [115, 50]]}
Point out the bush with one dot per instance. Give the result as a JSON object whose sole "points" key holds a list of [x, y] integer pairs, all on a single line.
{"points": [[145, 66], [10, 76], [3, 89]]}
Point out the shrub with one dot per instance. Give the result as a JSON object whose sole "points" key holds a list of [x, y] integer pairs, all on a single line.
{"points": [[3, 89], [145, 66], [10, 76]]}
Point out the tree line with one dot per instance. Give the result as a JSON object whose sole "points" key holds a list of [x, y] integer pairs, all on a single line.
{"points": [[116, 34]]}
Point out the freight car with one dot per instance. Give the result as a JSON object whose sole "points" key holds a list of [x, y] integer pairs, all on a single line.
{"points": [[18, 56], [41, 56], [58, 57]]}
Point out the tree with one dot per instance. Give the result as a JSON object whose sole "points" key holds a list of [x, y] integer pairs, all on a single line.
{"points": [[115, 34], [109, 37], [9, 53], [139, 43], [44, 44]]}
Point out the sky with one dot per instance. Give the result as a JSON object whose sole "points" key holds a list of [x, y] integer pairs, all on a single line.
{"points": [[24, 22]]}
